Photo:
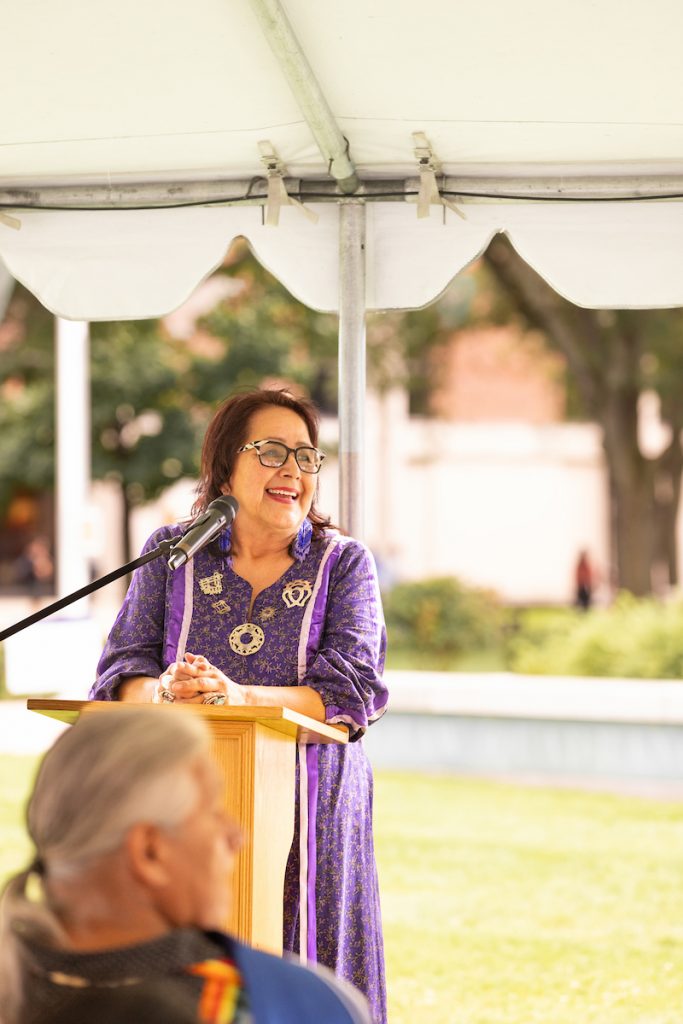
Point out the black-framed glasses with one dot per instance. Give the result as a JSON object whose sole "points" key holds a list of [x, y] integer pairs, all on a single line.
{"points": [[273, 454]]}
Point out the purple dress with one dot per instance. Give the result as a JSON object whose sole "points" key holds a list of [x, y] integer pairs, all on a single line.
{"points": [[319, 625]]}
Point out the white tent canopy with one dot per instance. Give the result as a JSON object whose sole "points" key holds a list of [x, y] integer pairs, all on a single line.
{"points": [[131, 264], [161, 103], [137, 140]]}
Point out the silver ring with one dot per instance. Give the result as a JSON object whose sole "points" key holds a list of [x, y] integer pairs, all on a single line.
{"points": [[215, 698], [166, 697]]}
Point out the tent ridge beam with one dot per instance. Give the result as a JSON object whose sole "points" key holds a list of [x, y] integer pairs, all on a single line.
{"points": [[307, 92], [253, 191], [563, 186]]}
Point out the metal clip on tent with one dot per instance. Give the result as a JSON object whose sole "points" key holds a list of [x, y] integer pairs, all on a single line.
{"points": [[429, 166], [277, 193]]}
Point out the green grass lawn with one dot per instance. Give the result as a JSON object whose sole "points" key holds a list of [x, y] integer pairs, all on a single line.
{"points": [[508, 905], [16, 778], [511, 905]]}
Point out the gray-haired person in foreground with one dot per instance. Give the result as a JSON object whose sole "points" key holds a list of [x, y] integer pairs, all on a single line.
{"points": [[130, 882]]}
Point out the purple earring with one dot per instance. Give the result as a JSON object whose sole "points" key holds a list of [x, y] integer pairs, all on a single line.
{"points": [[302, 541]]}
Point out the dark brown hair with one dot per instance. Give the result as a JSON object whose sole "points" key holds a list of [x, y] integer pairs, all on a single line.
{"points": [[227, 432]]}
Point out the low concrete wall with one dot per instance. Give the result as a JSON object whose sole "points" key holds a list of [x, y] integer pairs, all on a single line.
{"points": [[593, 733], [625, 734]]}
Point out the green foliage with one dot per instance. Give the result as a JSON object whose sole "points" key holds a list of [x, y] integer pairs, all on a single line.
{"points": [[146, 424], [27, 449], [27, 410], [406, 658], [441, 617], [635, 638], [267, 333]]}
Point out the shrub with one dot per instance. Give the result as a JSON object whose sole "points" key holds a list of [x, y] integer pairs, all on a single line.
{"points": [[634, 638], [442, 616]]}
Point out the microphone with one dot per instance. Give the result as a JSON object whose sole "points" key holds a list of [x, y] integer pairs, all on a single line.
{"points": [[218, 515]]}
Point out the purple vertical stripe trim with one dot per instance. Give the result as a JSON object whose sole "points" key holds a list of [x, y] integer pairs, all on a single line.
{"points": [[303, 851], [174, 618], [318, 616], [312, 772]]}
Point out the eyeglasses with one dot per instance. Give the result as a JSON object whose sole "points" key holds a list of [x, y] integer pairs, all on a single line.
{"points": [[274, 454]]}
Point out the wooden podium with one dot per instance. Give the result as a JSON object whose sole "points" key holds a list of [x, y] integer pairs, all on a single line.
{"points": [[254, 748]]}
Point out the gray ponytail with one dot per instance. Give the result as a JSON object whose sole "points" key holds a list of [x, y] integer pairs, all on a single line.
{"points": [[113, 768]]}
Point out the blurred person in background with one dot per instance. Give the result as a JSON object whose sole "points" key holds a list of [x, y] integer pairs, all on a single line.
{"points": [[584, 577], [34, 568]]}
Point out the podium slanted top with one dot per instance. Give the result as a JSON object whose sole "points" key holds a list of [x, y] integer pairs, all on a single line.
{"points": [[281, 719]]}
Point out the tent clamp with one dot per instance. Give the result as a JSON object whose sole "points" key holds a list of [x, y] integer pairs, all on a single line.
{"points": [[9, 221], [294, 64], [278, 196], [429, 166]]}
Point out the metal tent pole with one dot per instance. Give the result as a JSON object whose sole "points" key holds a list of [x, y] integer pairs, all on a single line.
{"points": [[6, 288], [352, 368], [73, 456]]}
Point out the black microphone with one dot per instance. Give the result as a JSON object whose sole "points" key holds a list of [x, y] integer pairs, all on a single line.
{"points": [[219, 514]]}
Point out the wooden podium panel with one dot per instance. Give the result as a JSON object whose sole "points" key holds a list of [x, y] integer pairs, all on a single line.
{"points": [[255, 750]]}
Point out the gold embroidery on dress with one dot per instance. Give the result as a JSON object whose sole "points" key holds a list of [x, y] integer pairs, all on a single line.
{"points": [[297, 593], [246, 639], [268, 614], [222, 607], [212, 584]]}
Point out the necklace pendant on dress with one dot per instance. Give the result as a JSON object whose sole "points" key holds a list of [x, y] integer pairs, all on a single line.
{"points": [[221, 607], [212, 584], [246, 639], [297, 593]]}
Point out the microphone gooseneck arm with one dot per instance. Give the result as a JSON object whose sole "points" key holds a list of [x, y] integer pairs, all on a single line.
{"points": [[217, 516], [163, 549]]}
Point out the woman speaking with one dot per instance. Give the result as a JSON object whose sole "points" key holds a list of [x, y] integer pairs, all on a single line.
{"points": [[279, 610]]}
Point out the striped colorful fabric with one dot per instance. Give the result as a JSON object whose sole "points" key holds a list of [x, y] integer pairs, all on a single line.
{"points": [[221, 993]]}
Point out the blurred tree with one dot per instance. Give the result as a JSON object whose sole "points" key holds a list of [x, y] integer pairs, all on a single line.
{"points": [[146, 426], [147, 423], [615, 357], [26, 398], [266, 333]]}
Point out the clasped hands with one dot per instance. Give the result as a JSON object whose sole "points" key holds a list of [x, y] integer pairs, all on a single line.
{"points": [[194, 680]]}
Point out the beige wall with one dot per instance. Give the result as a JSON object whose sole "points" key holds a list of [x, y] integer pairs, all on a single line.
{"points": [[501, 505]]}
